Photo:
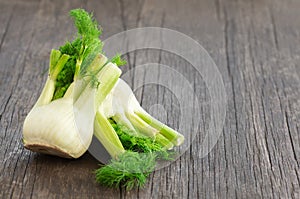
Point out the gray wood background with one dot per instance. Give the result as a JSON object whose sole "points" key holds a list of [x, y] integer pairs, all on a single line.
{"points": [[255, 44]]}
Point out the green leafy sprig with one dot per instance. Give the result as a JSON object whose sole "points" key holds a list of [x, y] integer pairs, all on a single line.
{"points": [[132, 168], [82, 51]]}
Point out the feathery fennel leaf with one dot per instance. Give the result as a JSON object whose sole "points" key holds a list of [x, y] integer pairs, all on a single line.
{"points": [[132, 168], [82, 51], [141, 144], [88, 32], [129, 170], [118, 60]]}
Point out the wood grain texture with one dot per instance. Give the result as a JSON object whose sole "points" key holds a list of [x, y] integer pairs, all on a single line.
{"points": [[255, 45]]}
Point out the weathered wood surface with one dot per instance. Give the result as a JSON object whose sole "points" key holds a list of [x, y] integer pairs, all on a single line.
{"points": [[255, 45]]}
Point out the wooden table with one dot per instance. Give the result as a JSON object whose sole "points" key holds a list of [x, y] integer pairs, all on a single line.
{"points": [[255, 45]]}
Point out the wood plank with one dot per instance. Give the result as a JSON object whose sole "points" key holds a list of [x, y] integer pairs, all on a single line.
{"points": [[255, 46]]}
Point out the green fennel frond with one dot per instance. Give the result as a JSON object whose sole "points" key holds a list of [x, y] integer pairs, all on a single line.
{"points": [[129, 170], [82, 51], [118, 60], [141, 144], [88, 32]]}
